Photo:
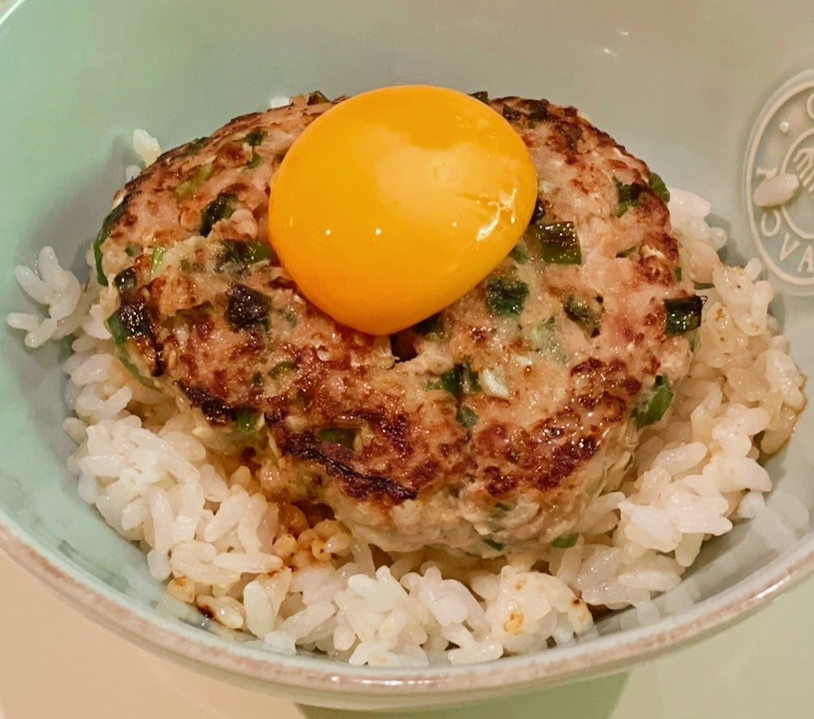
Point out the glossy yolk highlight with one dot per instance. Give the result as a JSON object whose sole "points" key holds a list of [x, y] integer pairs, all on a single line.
{"points": [[396, 202]]}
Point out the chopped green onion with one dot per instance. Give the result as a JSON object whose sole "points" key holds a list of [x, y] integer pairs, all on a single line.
{"points": [[628, 196], [432, 328], [130, 367], [519, 253], [189, 187], [566, 541], [246, 419], [658, 186], [117, 329], [256, 161], [683, 314], [466, 416], [460, 380], [654, 403], [586, 313], [450, 382], [558, 243], [678, 274], [282, 368], [237, 255], [506, 297], [497, 546], [545, 338], [288, 316], [317, 98], [221, 208], [155, 261], [193, 146], [539, 113], [343, 436], [471, 384], [107, 227], [255, 137]]}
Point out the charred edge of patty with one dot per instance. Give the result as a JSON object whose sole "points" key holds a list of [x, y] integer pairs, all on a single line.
{"points": [[544, 456], [566, 124], [357, 485], [139, 326], [560, 463], [246, 308], [214, 409], [594, 372]]}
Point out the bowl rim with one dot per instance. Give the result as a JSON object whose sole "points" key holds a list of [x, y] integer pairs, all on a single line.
{"points": [[333, 683], [330, 682]]}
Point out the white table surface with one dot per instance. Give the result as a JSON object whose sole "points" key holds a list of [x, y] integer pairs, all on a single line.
{"points": [[55, 663]]}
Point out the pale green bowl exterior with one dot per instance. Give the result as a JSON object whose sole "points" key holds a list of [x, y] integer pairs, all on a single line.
{"points": [[680, 84]]}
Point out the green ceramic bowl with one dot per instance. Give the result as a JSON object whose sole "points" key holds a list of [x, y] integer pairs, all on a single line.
{"points": [[680, 84]]}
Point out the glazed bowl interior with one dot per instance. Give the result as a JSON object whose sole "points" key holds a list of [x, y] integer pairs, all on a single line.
{"points": [[680, 85]]}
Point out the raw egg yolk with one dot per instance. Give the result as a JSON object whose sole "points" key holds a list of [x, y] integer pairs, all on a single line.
{"points": [[396, 202]]}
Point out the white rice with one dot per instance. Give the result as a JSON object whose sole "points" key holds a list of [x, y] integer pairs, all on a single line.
{"points": [[146, 147], [57, 289], [155, 475]]}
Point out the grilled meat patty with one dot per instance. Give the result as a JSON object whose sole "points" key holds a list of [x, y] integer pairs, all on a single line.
{"points": [[486, 428]]}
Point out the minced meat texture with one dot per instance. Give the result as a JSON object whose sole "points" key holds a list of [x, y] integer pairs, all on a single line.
{"points": [[486, 428]]}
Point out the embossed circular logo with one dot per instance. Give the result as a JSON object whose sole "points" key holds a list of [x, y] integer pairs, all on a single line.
{"points": [[779, 184]]}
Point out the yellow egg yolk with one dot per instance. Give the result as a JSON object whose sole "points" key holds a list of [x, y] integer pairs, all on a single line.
{"points": [[396, 202]]}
